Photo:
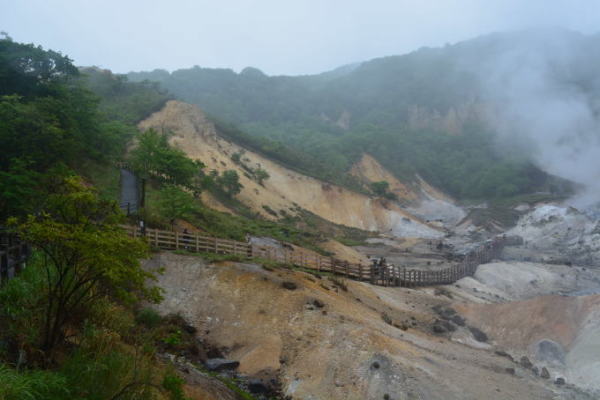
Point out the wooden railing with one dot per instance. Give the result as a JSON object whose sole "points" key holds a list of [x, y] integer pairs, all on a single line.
{"points": [[389, 275], [13, 255]]}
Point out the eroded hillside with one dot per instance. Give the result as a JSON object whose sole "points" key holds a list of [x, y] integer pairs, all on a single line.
{"points": [[323, 340], [421, 199], [285, 191]]}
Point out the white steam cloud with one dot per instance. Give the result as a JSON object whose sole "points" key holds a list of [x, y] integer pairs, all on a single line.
{"points": [[544, 93]]}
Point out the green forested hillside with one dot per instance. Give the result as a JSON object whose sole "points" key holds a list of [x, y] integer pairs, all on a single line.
{"points": [[70, 323], [420, 112]]}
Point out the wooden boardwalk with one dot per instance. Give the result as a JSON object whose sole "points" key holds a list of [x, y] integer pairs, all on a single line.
{"points": [[386, 276], [13, 255]]}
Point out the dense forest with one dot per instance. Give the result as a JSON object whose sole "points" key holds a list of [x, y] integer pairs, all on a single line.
{"points": [[424, 112], [75, 323]]}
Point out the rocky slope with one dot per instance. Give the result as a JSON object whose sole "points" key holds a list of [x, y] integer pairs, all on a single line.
{"points": [[323, 339], [559, 234], [285, 190]]}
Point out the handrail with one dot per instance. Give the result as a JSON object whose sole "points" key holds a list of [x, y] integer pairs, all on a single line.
{"points": [[389, 275]]}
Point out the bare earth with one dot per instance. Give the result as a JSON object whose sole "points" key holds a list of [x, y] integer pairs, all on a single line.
{"points": [[344, 350]]}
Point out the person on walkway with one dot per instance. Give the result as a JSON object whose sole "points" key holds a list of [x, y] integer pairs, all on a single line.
{"points": [[187, 239]]}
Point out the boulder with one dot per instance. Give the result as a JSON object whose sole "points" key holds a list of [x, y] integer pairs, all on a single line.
{"points": [[458, 320], [289, 285], [545, 374], [443, 326], [257, 386], [318, 303], [525, 363], [502, 353], [478, 334], [513, 240], [221, 364]]}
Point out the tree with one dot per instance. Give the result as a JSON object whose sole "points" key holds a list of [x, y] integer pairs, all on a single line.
{"points": [[86, 256], [29, 70], [154, 157], [18, 189], [380, 188], [229, 181], [174, 203], [260, 175]]}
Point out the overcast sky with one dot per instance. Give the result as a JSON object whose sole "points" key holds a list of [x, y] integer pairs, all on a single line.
{"points": [[278, 36]]}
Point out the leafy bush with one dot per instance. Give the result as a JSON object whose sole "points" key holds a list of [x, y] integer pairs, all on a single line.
{"points": [[148, 317], [32, 385], [173, 338], [174, 385]]}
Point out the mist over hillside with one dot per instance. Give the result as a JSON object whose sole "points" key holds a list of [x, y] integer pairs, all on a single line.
{"points": [[481, 119], [415, 226]]}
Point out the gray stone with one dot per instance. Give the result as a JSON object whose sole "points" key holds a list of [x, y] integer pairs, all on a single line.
{"points": [[289, 285], [221, 364], [257, 386], [443, 326], [525, 363], [478, 334], [318, 303], [545, 374], [550, 351]]}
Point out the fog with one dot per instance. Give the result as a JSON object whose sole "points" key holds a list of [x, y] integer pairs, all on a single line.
{"points": [[545, 96], [279, 37], [535, 104]]}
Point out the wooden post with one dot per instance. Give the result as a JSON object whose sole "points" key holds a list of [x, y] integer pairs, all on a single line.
{"points": [[176, 240]]}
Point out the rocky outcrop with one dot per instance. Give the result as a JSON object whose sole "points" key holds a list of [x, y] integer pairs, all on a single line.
{"points": [[557, 234]]}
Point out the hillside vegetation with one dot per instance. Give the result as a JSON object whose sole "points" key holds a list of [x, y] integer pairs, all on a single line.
{"points": [[423, 112], [73, 323]]}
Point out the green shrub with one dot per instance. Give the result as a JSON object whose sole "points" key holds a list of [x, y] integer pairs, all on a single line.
{"points": [[36, 385], [173, 384], [173, 339], [148, 317]]}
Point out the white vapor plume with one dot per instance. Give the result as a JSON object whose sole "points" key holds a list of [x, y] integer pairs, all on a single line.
{"points": [[544, 95]]}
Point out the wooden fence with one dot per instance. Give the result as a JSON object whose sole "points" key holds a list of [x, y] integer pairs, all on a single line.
{"points": [[386, 276], [13, 255]]}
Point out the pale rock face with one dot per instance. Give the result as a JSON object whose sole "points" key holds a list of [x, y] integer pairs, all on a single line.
{"points": [[562, 233], [285, 190]]}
